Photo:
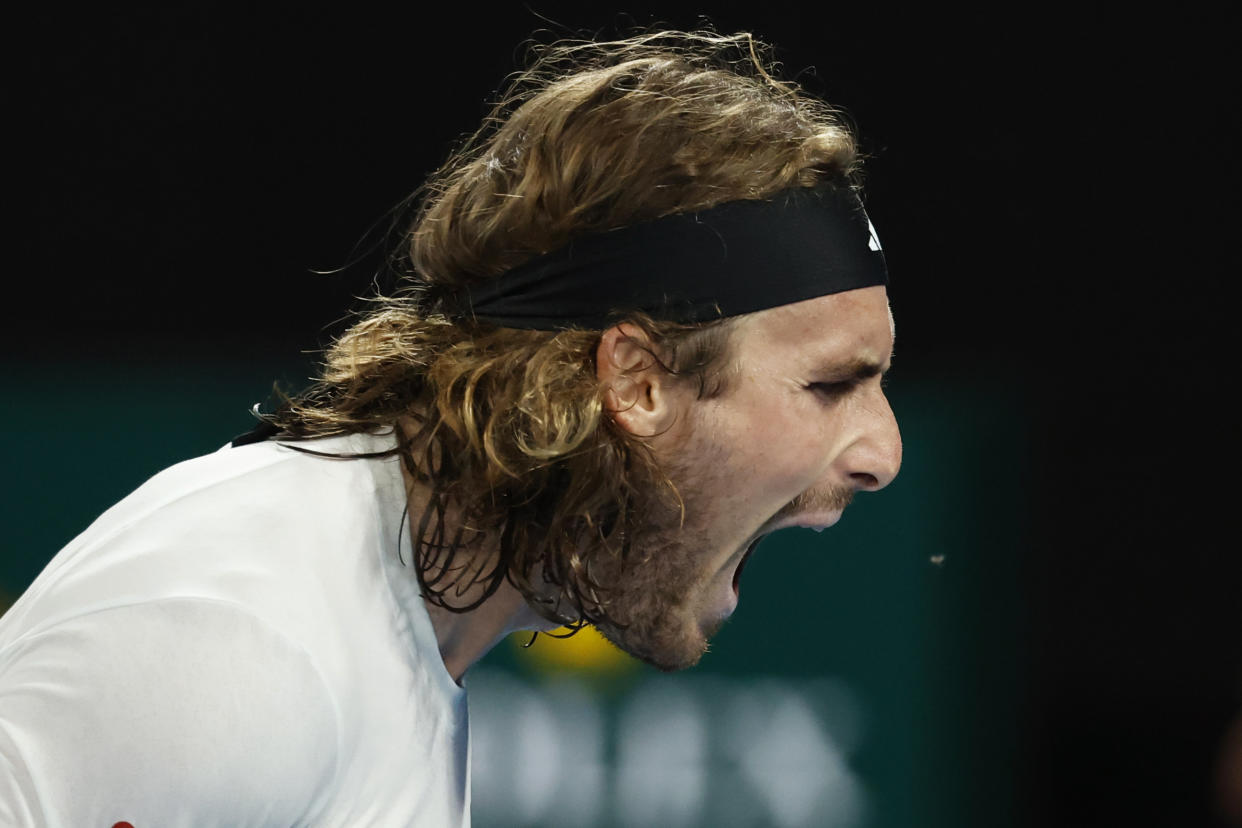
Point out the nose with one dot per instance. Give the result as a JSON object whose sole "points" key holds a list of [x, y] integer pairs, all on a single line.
{"points": [[873, 459]]}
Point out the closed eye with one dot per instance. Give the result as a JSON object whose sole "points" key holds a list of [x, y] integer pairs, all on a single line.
{"points": [[833, 389], [853, 377], [839, 388]]}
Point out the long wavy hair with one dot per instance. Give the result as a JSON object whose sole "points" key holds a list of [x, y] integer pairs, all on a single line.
{"points": [[511, 437]]}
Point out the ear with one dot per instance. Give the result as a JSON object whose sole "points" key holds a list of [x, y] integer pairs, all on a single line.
{"points": [[639, 394]]}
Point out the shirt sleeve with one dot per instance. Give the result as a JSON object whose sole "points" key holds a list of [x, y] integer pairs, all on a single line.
{"points": [[172, 713]]}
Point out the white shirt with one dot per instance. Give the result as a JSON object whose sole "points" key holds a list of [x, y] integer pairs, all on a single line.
{"points": [[236, 643]]}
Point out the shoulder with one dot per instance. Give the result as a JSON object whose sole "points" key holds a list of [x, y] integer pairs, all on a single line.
{"points": [[259, 525]]}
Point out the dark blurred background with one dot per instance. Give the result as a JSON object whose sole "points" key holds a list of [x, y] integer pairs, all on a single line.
{"points": [[1057, 194]]}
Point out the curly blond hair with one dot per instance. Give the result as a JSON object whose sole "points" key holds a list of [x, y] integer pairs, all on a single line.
{"points": [[512, 438]]}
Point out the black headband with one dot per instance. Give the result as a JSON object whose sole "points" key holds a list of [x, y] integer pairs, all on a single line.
{"points": [[735, 258]]}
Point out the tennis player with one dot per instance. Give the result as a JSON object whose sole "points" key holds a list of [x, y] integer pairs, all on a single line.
{"points": [[643, 323]]}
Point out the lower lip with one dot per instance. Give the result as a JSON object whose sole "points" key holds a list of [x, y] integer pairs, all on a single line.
{"points": [[737, 572]]}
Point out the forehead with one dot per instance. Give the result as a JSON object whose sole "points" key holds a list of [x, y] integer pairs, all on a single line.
{"points": [[856, 324]]}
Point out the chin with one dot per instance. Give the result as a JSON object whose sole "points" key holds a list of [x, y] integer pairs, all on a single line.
{"points": [[671, 662], [665, 646]]}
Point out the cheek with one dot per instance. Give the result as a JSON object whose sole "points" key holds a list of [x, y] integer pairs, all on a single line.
{"points": [[784, 446]]}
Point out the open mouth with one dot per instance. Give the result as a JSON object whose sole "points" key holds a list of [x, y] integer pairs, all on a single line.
{"points": [[737, 573]]}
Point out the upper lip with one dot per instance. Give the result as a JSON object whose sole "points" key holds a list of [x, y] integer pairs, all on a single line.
{"points": [[819, 521]]}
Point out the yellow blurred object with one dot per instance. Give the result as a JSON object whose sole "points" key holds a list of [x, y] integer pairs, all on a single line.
{"points": [[587, 651]]}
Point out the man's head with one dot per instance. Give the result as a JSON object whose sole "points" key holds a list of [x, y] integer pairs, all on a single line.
{"points": [[617, 476]]}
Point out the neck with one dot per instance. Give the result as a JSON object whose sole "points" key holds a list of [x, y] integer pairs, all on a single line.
{"points": [[465, 637]]}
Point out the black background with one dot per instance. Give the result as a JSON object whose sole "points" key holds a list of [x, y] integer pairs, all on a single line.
{"points": [[1056, 190]]}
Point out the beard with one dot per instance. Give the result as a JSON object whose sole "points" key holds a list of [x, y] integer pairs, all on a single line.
{"points": [[657, 597], [653, 596]]}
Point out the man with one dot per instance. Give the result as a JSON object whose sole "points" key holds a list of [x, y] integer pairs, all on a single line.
{"points": [[644, 324]]}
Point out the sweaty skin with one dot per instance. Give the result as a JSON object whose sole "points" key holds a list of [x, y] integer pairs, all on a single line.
{"points": [[803, 426]]}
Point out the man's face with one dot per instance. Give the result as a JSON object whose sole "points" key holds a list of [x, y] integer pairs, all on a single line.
{"points": [[803, 425]]}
